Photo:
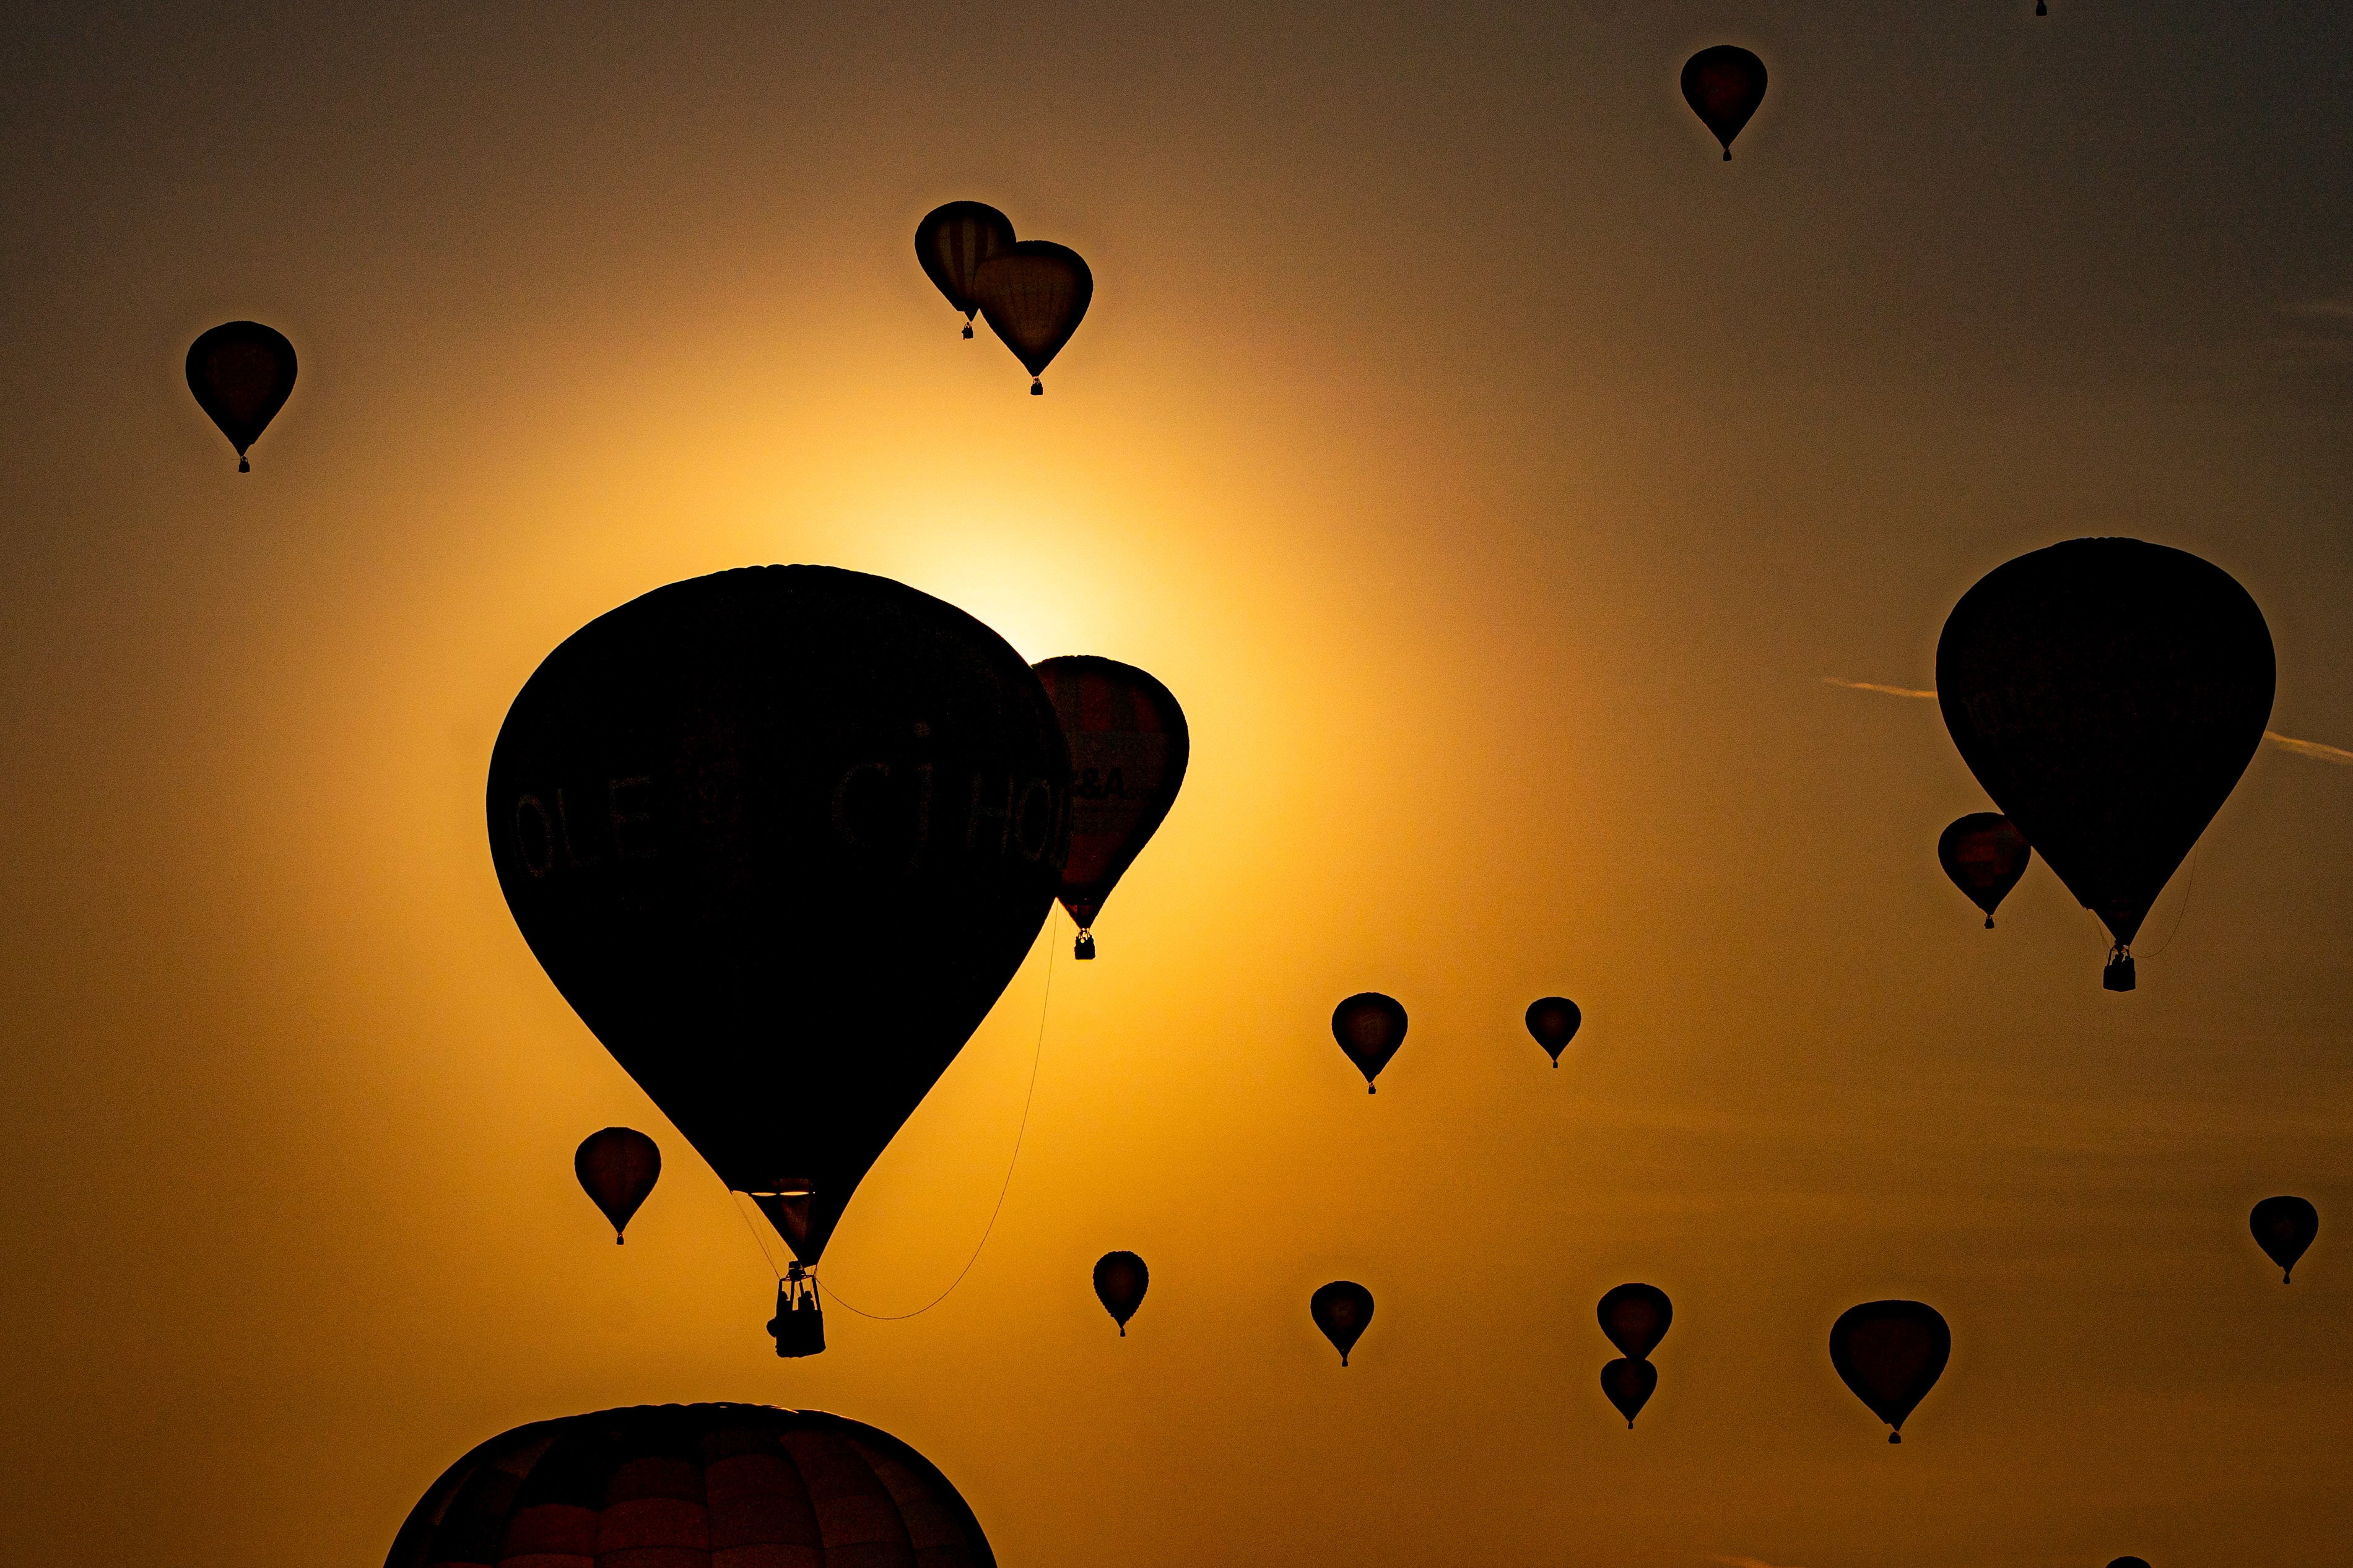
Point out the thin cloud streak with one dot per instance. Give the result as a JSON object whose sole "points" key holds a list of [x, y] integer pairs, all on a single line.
{"points": [[2315, 750], [1888, 690]]}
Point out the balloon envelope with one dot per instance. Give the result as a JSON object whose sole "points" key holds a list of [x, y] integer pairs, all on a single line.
{"points": [[617, 1167], [2123, 1561], [1554, 1021], [953, 241], [678, 1484], [241, 373], [1890, 1354], [1630, 1384], [2107, 694], [781, 836], [1985, 855], [2283, 1227], [1635, 1317], [1370, 1027], [1129, 746], [1342, 1309], [1723, 84], [1121, 1280], [1035, 294]]}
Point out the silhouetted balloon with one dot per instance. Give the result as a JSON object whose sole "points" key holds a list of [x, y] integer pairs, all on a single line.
{"points": [[1985, 855], [1552, 1020], [1723, 84], [2121, 1561], [677, 1484], [2283, 1227], [2107, 694], [781, 836], [617, 1167], [1121, 1280], [1630, 1384], [1128, 746], [1890, 1354], [953, 241], [1342, 1309], [1370, 1027], [1034, 294], [1635, 1317], [241, 373]]}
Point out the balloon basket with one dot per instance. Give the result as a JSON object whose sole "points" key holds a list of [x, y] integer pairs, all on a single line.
{"points": [[2118, 974], [1037, 387], [1084, 948], [799, 1327], [967, 328], [244, 467]]}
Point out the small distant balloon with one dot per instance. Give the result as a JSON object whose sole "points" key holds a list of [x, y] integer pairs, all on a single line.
{"points": [[1635, 1317], [2283, 1227], [1891, 1354], [1630, 1383], [1034, 294], [1985, 855], [1370, 1027], [1120, 1280], [1554, 1020], [2121, 1561], [1129, 745], [953, 241], [241, 373], [1723, 84], [617, 1167], [1342, 1309]]}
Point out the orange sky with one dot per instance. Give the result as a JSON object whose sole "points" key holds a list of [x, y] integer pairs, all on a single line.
{"points": [[1493, 473]]}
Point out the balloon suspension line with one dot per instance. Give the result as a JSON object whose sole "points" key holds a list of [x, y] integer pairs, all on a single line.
{"points": [[758, 1239], [1037, 1055], [2189, 887]]}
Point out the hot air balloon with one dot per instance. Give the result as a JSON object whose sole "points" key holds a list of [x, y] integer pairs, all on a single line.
{"points": [[1342, 1309], [1635, 1317], [1723, 84], [241, 373], [1890, 1354], [2283, 1227], [953, 241], [1128, 746], [2107, 694], [781, 836], [617, 1167], [678, 1484], [1985, 855], [1630, 1383], [1121, 1280], [1035, 294], [1554, 1020], [2121, 1561], [1370, 1027]]}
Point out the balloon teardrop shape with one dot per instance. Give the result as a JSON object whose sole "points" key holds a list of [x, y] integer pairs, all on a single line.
{"points": [[1554, 1022], [1723, 84], [1891, 1354], [1121, 1280], [952, 242], [1635, 1317], [241, 373], [1985, 855], [1342, 1309], [2283, 1227], [618, 1168], [1369, 1028], [1630, 1383], [1129, 747], [1034, 294]]}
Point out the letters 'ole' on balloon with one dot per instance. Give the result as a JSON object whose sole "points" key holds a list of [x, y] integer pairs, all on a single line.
{"points": [[1034, 294], [1554, 1021], [781, 837], [1121, 1280], [1891, 1354], [1629, 1382], [1128, 747], [1342, 1309], [617, 1167], [241, 373], [1635, 1317], [953, 241], [1723, 84], [1370, 1027], [2107, 694], [1985, 855], [2284, 1228]]}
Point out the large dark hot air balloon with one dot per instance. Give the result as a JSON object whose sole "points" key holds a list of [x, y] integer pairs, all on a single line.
{"points": [[1342, 1309], [1985, 855], [953, 241], [1121, 1280], [241, 373], [781, 836], [1723, 84], [692, 1484], [1635, 1317], [2107, 694], [1890, 1354], [1128, 746], [1630, 1383], [617, 1167], [1370, 1027], [2284, 1228], [1554, 1021], [1035, 294]]}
